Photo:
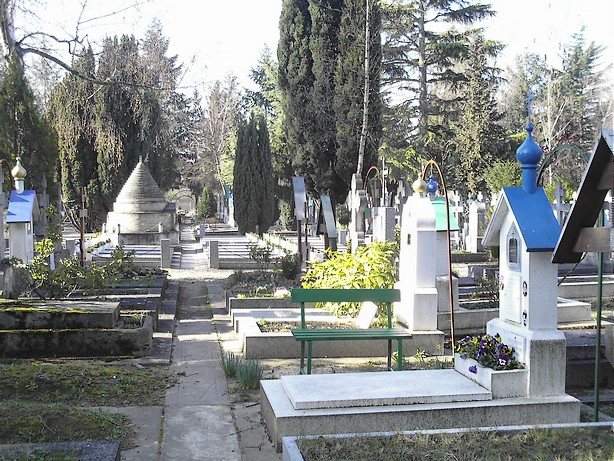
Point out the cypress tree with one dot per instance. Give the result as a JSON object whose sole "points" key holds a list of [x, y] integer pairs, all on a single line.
{"points": [[254, 202], [349, 87], [295, 79]]}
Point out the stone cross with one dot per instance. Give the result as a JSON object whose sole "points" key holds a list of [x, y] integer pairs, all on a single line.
{"points": [[357, 199], [560, 206]]}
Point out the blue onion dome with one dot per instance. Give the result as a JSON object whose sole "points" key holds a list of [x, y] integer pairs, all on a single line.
{"points": [[431, 186], [529, 153]]}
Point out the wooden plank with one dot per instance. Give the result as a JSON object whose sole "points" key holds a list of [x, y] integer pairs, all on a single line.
{"points": [[347, 334], [594, 239], [337, 295]]}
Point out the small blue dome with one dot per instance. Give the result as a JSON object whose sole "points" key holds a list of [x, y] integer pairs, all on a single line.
{"points": [[529, 153], [431, 186]]}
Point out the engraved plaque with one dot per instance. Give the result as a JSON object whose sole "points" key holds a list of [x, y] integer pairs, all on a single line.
{"points": [[510, 303]]}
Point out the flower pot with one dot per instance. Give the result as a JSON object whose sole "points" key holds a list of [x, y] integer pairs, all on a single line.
{"points": [[501, 383]]}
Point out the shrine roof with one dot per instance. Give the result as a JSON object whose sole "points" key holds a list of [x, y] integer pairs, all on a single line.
{"points": [[533, 215], [22, 207], [589, 201], [439, 205]]}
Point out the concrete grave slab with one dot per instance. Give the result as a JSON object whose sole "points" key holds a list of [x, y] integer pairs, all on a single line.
{"points": [[377, 389]]}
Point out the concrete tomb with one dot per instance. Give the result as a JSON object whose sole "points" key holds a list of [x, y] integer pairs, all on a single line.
{"points": [[141, 215]]}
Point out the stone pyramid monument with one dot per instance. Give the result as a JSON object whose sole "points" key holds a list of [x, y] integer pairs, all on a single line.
{"points": [[141, 215]]}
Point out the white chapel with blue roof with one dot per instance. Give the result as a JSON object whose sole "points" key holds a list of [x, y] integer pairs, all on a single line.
{"points": [[526, 231], [22, 213]]}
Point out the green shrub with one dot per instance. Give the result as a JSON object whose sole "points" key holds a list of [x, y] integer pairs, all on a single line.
{"points": [[286, 218], [372, 266], [207, 205], [290, 265], [261, 254]]}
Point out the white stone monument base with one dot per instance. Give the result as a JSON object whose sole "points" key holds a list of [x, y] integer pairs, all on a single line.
{"points": [[417, 309], [397, 401], [543, 353]]}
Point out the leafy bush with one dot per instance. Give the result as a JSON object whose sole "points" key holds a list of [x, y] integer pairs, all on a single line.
{"points": [[371, 266], [290, 265], [261, 254], [68, 276]]}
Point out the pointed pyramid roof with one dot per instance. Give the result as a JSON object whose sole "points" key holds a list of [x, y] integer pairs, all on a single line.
{"points": [[140, 192], [140, 187]]}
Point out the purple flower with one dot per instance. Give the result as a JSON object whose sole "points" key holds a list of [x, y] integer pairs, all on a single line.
{"points": [[463, 356], [473, 369]]}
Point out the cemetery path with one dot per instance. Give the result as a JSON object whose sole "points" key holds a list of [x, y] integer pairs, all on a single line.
{"points": [[201, 420]]}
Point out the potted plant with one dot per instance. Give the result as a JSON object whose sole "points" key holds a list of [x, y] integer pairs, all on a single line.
{"points": [[492, 364]]}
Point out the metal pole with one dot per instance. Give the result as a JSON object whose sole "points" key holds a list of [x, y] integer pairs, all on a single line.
{"points": [[300, 240], [82, 228], [450, 282], [598, 327]]}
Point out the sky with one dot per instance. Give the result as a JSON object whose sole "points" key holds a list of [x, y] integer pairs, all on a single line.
{"points": [[213, 38]]}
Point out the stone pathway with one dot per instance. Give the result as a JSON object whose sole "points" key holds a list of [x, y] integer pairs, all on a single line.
{"points": [[198, 423]]}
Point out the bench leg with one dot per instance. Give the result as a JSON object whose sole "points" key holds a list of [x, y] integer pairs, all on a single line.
{"points": [[302, 367], [390, 354], [400, 355], [308, 357]]}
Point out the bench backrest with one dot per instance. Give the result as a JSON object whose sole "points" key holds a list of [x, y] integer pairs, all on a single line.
{"points": [[345, 295]]}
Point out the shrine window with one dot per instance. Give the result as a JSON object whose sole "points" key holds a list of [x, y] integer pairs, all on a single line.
{"points": [[513, 249]]}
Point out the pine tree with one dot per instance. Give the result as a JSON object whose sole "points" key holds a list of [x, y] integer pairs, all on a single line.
{"points": [[419, 57], [479, 137]]}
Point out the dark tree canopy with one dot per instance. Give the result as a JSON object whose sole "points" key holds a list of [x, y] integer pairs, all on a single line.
{"points": [[24, 132], [253, 188], [103, 130], [321, 76]]}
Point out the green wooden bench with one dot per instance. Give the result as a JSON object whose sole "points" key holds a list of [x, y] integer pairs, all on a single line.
{"points": [[377, 295]]}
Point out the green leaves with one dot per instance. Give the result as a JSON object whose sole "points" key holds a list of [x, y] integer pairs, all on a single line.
{"points": [[372, 266]]}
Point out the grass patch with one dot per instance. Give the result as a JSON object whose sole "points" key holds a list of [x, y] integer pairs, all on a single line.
{"points": [[84, 384], [35, 423], [249, 373], [229, 362], [541, 444]]}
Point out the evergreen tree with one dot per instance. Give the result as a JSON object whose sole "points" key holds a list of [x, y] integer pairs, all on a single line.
{"points": [[267, 100], [420, 57], [349, 87], [321, 75], [72, 113], [160, 75], [24, 132], [206, 206], [254, 201], [296, 81], [321, 162], [479, 137]]}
